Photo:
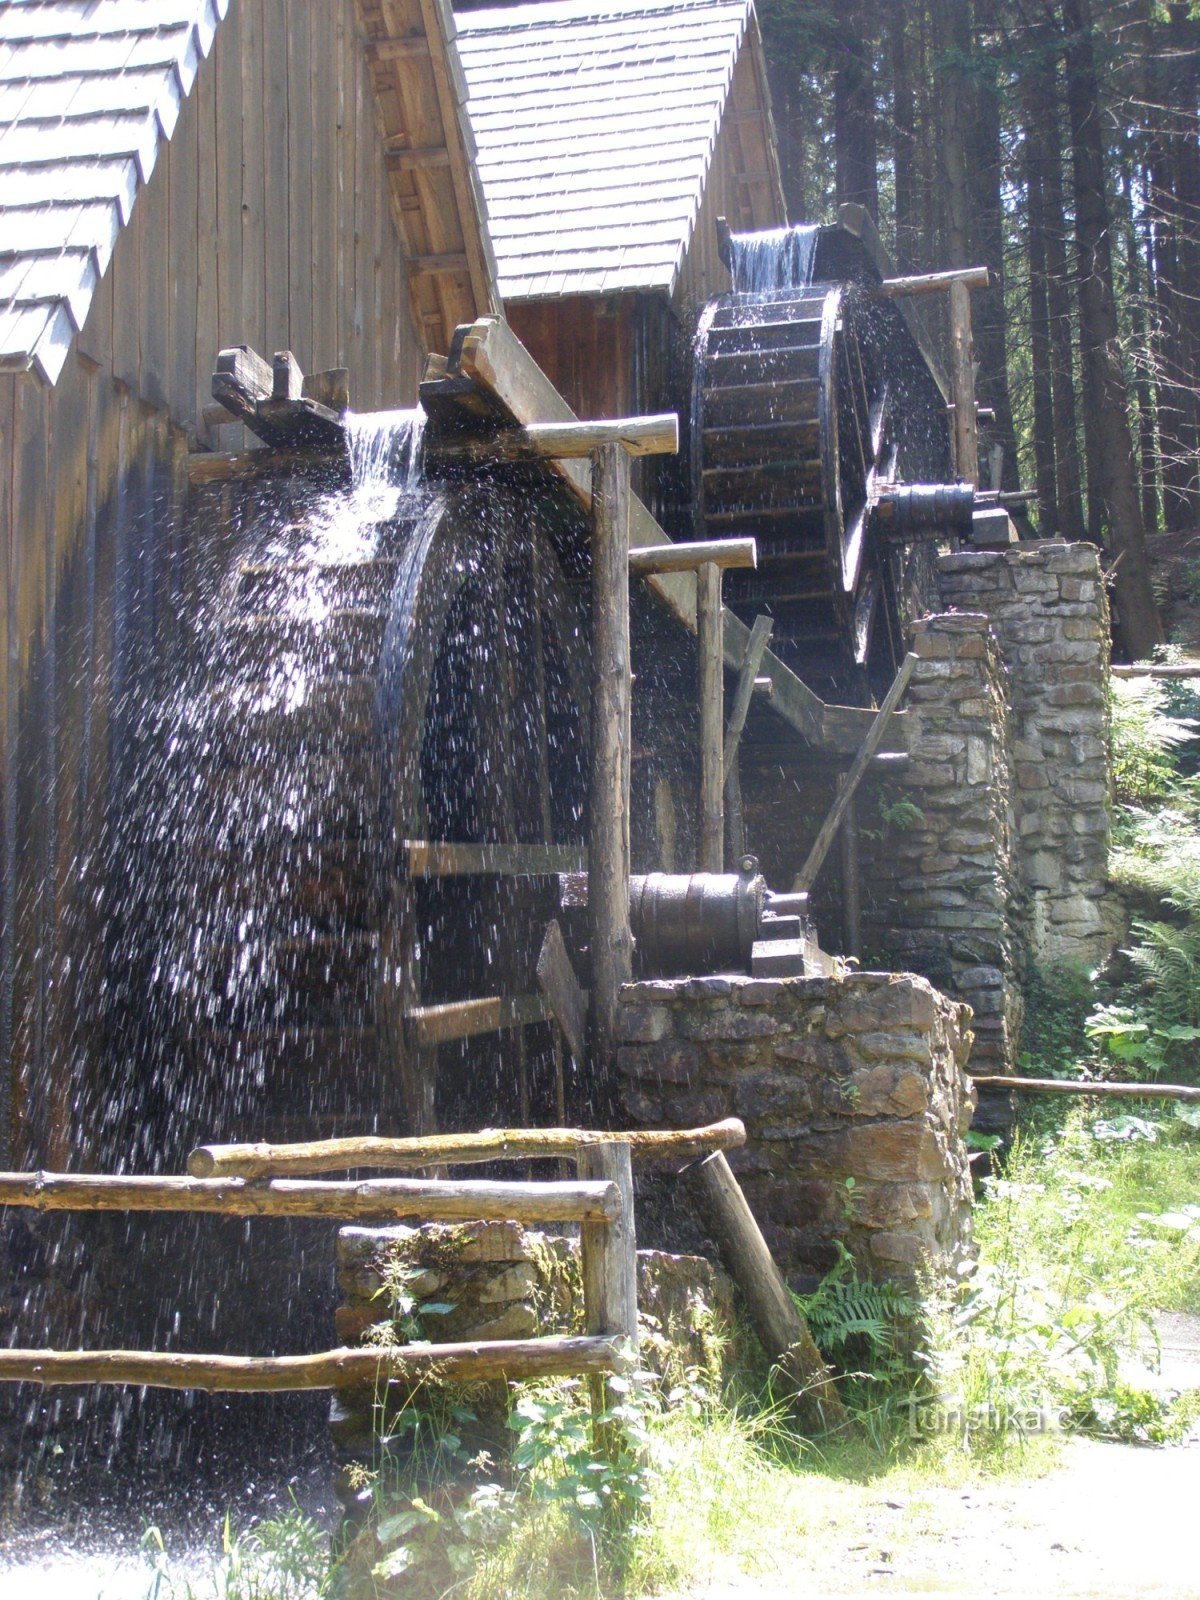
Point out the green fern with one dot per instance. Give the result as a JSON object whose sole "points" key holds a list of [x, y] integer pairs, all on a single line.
{"points": [[846, 1309]]}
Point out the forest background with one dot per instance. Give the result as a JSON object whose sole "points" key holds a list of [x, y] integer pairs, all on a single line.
{"points": [[1056, 142]]}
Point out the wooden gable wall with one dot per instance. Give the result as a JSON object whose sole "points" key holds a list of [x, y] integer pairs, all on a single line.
{"points": [[266, 221]]}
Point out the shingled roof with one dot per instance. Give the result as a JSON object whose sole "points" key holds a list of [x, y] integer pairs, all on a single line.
{"points": [[88, 88], [595, 123]]}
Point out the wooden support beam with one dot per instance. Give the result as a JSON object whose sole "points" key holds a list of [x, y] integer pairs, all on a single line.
{"points": [[661, 1146], [711, 688], [1113, 1091], [330, 388], [610, 939], [446, 261], [399, 49], [402, 155], [848, 842], [962, 379], [561, 441], [467, 1019], [748, 682], [782, 1331], [561, 992], [287, 378], [655, 558], [344, 1368], [474, 1200], [935, 282], [806, 877], [423, 859]]}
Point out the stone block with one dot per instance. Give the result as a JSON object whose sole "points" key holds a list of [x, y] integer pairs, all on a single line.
{"points": [[664, 1063], [724, 1022], [643, 1024]]}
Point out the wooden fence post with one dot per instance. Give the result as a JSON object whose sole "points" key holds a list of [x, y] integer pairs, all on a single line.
{"points": [[610, 939], [609, 1268]]}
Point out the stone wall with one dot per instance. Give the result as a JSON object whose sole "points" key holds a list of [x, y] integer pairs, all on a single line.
{"points": [[941, 892], [855, 1102], [1048, 610], [498, 1280]]}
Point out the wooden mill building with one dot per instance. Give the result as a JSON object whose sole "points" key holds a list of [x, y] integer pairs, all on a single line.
{"points": [[341, 178]]}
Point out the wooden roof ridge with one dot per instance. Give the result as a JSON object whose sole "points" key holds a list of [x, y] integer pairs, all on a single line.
{"points": [[437, 201], [597, 123]]}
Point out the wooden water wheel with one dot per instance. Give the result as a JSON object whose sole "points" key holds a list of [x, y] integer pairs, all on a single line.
{"points": [[371, 782], [806, 403]]}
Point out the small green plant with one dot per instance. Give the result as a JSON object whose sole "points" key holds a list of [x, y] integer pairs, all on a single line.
{"points": [[900, 814], [283, 1558]]}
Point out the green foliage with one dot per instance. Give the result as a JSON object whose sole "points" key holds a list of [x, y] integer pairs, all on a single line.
{"points": [[283, 1558], [900, 814], [1082, 1238], [1058, 1000], [1146, 740]]}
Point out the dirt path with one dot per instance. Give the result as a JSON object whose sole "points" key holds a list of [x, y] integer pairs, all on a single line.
{"points": [[1110, 1523]]}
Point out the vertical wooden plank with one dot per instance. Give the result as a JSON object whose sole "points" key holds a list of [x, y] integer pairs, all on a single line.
{"points": [[125, 273], [150, 218], [182, 250], [323, 184], [610, 938], [711, 689], [8, 775], [344, 44], [209, 151], [253, 324], [300, 164], [276, 17], [366, 236], [226, 69], [851, 886]]}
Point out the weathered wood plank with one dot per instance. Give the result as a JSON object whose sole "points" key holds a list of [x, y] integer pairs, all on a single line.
{"points": [[609, 1250], [425, 860], [561, 992], [467, 1019]]}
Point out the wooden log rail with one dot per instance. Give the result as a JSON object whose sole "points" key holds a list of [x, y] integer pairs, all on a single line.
{"points": [[458, 1149], [478, 1200], [562, 441], [601, 1202], [342, 1368], [1187, 1093]]}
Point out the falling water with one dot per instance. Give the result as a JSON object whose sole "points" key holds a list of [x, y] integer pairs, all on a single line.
{"points": [[777, 258], [237, 939]]}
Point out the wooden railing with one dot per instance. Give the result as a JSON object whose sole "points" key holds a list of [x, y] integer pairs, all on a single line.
{"points": [[278, 1180], [600, 1200]]}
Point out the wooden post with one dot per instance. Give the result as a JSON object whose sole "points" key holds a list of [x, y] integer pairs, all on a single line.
{"points": [[851, 889], [711, 690], [608, 1261], [610, 937], [782, 1331], [962, 377]]}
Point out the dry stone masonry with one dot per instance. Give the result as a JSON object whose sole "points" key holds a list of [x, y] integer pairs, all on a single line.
{"points": [[943, 897], [1047, 607], [854, 1098]]}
